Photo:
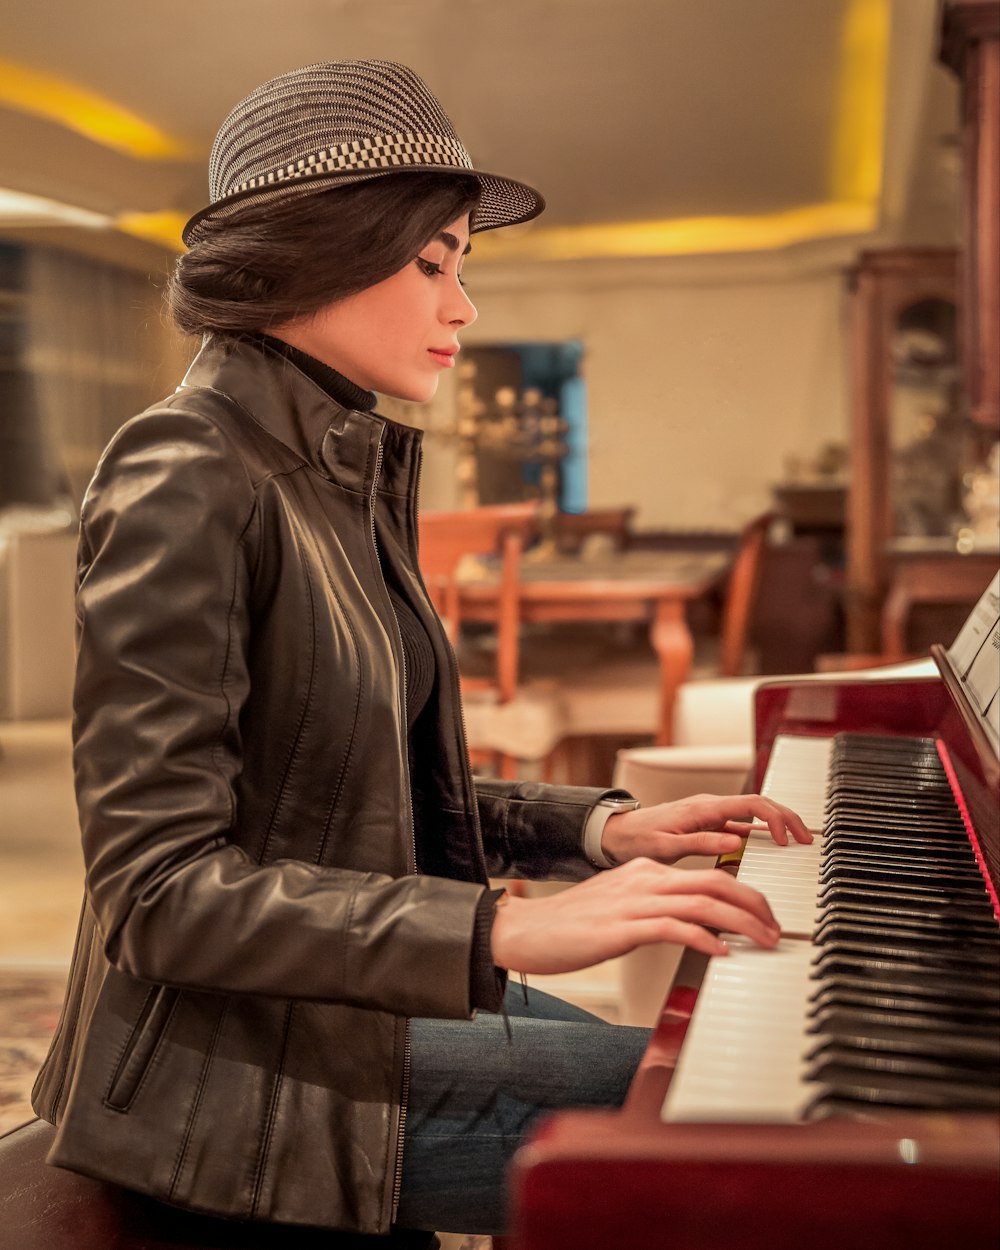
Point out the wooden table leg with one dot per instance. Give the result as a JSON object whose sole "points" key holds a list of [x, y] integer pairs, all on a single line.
{"points": [[674, 646]]}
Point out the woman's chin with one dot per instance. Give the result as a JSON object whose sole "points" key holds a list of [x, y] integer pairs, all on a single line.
{"points": [[417, 393]]}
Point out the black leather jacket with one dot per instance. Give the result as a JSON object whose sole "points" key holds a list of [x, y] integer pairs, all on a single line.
{"points": [[258, 922]]}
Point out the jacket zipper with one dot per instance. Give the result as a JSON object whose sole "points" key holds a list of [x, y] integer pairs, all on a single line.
{"points": [[405, 1091], [456, 692]]}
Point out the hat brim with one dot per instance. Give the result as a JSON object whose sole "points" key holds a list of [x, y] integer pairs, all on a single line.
{"points": [[503, 201]]}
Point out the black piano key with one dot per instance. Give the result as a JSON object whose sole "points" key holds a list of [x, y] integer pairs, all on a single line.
{"points": [[906, 1012], [905, 1005], [841, 1096], [874, 929], [982, 997], [902, 877], [861, 1020], [830, 963], [862, 892], [900, 836], [875, 853], [841, 1063], [964, 962], [980, 926]]}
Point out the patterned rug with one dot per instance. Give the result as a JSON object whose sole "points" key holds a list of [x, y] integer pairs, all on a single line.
{"points": [[29, 1012]]}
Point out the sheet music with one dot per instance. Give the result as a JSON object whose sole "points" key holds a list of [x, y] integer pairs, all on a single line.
{"points": [[975, 656]]}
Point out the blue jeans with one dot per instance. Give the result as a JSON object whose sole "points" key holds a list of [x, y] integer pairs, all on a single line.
{"points": [[474, 1096]]}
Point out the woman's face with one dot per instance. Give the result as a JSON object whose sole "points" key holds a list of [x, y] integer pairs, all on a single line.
{"points": [[398, 336]]}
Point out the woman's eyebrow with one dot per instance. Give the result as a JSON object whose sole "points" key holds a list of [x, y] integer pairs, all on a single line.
{"points": [[451, 243]]}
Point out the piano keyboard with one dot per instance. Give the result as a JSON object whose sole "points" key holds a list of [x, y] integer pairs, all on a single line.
{"points": [[884, 988]]}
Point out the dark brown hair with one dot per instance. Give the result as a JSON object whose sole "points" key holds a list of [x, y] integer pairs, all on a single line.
{"points": [[271, 263]]}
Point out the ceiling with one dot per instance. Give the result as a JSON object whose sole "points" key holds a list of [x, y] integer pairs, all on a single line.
{"points": [[674, 113]]}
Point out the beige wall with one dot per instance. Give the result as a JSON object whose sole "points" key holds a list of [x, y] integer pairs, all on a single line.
{"points": [[704, 375]]}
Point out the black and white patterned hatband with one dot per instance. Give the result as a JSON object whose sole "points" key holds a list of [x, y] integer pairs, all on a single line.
{"points": [[340, 122]]}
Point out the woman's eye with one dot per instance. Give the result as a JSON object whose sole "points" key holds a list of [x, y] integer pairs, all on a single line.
{"points": [[431, 268]]}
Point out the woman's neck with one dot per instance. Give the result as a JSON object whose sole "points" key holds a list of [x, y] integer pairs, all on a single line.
{"points": [[342, 390]]}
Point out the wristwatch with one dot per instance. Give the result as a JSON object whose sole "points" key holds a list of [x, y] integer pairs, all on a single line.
{"points": [[594, 831]]}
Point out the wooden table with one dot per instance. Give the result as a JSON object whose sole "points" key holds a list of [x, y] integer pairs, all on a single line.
{"points": [[632, 586]]}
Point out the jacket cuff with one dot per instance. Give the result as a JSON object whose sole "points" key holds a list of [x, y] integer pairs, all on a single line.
{"points": [[536, 831]]}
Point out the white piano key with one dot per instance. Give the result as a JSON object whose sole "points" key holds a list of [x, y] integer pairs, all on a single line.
{"points": [[743, 1055], [797, 772], [787, 876], [796, 775]]}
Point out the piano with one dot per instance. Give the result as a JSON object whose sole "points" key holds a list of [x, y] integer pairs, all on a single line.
{"points": [[842, 1090]]}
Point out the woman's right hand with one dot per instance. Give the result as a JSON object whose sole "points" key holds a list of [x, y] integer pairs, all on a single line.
{"points": [[641, 902]]}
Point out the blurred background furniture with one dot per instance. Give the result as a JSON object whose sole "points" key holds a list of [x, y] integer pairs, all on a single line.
{"points": [[612, 527], [646, 588], [505, 724], [928, 598], [37, 622], [728, 654]]}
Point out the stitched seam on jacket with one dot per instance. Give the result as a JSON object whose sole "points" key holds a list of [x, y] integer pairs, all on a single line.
{"points": [[345, 940], [279, 797], [67, 1028], [345, 767], [272, 1113], [227, 719], [196, 1105]]}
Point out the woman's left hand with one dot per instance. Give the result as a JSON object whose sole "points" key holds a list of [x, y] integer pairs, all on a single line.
{"points": [[705, 824]]}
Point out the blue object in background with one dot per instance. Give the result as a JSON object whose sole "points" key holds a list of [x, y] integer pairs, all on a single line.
{"points": [[554, 368]]}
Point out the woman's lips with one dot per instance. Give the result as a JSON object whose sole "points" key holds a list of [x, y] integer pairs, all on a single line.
{"points": [[445, 356]]}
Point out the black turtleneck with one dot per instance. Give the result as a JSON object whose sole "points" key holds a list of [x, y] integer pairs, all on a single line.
{"points": [[347, 393]]}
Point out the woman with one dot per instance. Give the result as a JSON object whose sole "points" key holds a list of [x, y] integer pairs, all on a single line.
{"points": [[288, 924]]}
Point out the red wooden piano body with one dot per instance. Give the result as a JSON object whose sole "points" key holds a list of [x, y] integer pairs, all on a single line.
{"points": [[603, 1180]]}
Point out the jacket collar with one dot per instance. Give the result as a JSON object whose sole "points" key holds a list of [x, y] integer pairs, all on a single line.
{"points": [[341, 443]]}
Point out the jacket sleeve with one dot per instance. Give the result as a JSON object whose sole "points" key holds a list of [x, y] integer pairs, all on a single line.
{"points": [[168, 533], [535, 831]]}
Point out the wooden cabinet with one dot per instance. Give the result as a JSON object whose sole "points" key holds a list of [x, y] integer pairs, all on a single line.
{"points": [[905, 370], [905, 508], [970, 45]]}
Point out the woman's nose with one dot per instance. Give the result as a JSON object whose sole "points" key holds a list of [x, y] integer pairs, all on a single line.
{"points": [[460, 310]]}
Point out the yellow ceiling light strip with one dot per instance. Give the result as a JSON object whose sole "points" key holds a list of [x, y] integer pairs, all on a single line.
{"points": [[856, 151], [162, 228], [855, 177], [49, 96], [683, 236]]}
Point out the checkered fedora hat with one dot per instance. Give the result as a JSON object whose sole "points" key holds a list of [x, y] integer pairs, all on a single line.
{"points": [[338, 122]]}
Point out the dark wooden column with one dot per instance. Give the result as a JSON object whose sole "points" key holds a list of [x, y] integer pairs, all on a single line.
{"points": [[970, 45]]}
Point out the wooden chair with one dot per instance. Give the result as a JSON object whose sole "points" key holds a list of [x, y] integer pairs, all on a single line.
{"points": [[448, 538], [572, 529], [615, 693], [506, 724], [741, 597]]}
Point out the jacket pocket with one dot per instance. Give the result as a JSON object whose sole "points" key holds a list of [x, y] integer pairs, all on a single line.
{"points": [[141, 1046]]}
